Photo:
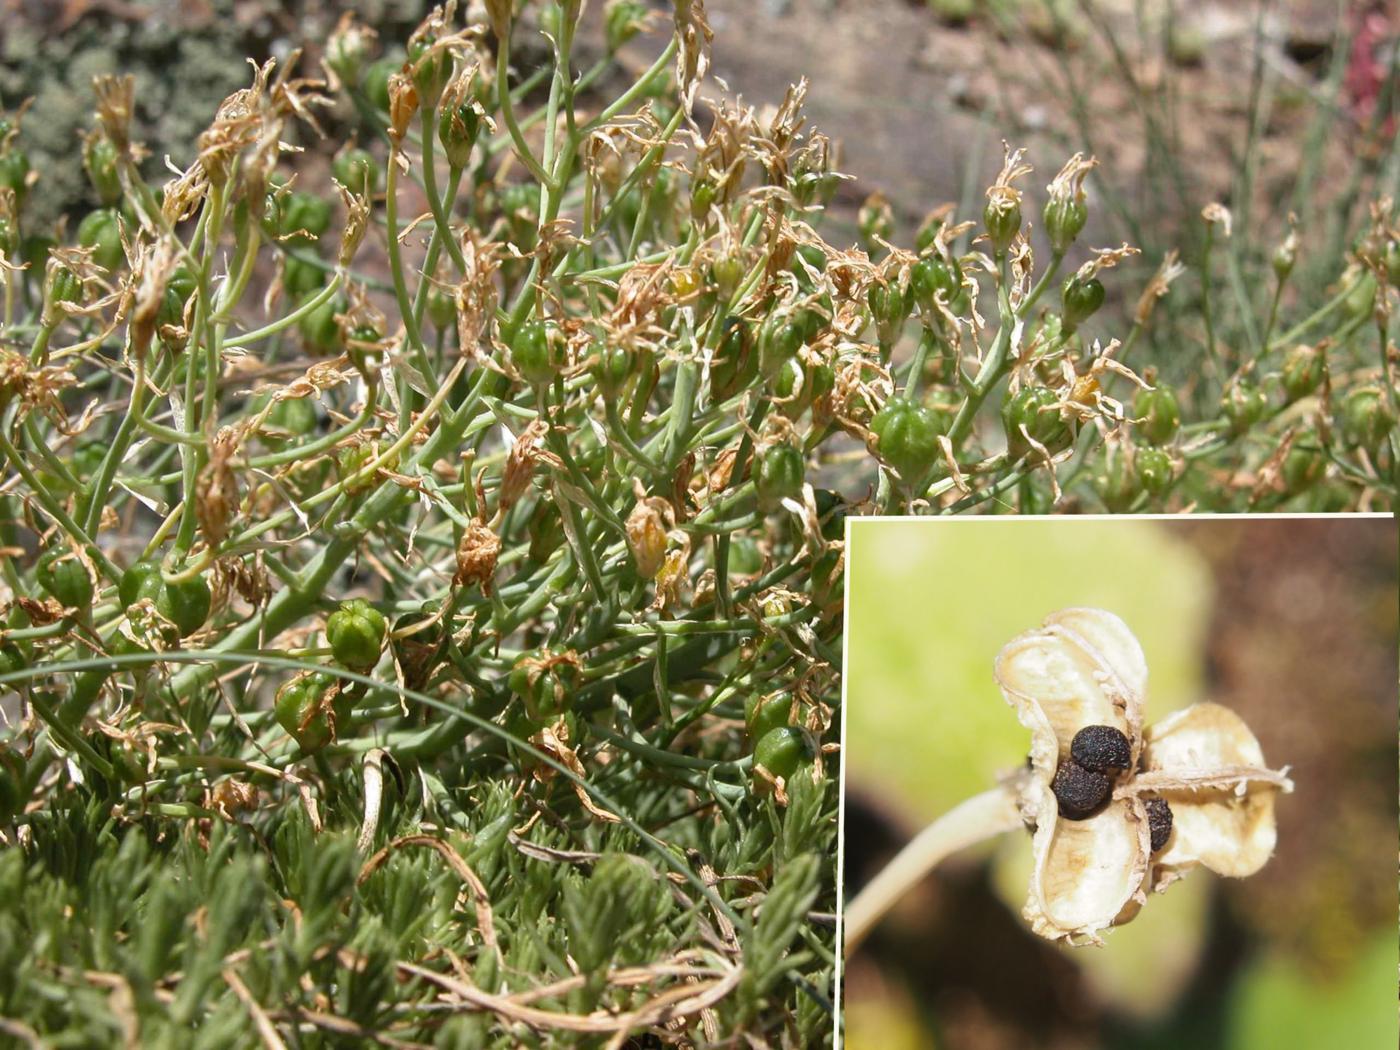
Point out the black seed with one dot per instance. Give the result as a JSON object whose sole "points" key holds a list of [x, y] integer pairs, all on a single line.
{"points": [[1101, 748], [1159, 822], [1080, 791]]}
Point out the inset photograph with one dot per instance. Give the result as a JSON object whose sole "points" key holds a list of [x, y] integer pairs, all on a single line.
{"points": [[1120, 783]]}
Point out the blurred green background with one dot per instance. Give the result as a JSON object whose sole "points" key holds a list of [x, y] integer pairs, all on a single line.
{"points": [[1292, 622]]}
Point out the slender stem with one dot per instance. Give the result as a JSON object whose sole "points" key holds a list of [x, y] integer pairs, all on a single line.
{"points": [[980, 817], [435, 204], [283, 323], [522, 148]]}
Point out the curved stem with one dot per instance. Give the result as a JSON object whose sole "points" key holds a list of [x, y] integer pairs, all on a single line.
{"points": [[980, 817]]}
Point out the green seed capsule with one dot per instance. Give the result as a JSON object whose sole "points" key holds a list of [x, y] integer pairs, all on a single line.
{"points": [[1159, 414], [1243, 405], [458, 128], [932, 277], [1080, 299], [763, 714], [1304, 466], [356, 170], [296, 415], [783, 751], [1037, 408], [141, 581], [907, 434], [64, 286], [1362, 299], [875, 220], [100, 161], [319, 328], [1155, 470], [376, 84], [520, 724], [1391, 260], [305, 709], [100, 230], [889, 308], [356, 633], [185, 604], [789, 388], [778, 475], [734, 364], [1303, 370], [612, 368], [538, 353], [1002, 222], [301, 279], [301, 218], [179, 287], [14, 172], [430, 68], [66, 578], [779, 339], [1064, 219], [622, 19], [442, 309], [928, 232], [1367, 419], [547, 681]]}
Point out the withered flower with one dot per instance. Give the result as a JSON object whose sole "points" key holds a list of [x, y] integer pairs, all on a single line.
{"points": [[1192, 790], [646, 532], [1157, 287], [116, 105], [476, 557], [403, 104], [525, 452]]}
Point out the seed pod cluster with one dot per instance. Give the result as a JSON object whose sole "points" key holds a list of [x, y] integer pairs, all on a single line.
{"points": [[1084, 781]]}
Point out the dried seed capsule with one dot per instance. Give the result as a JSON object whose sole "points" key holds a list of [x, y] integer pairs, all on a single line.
{"points": [[1080, 791], [1101, 748], [1159, 821]]}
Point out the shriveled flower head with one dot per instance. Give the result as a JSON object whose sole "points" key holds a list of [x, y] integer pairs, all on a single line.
{"points": [[1118, 811]]}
